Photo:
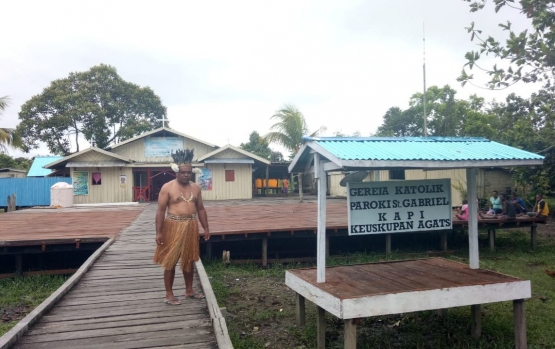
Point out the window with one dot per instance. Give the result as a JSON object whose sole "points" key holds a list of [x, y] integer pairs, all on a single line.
{"points": [[230, 175], [398, 173], [96, 178]]}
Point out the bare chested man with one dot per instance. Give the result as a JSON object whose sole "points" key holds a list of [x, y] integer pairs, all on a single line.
{"points": [[177, 235]]}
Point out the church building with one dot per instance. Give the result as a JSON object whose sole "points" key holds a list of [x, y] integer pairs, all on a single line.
{"points": [[136, 169]]}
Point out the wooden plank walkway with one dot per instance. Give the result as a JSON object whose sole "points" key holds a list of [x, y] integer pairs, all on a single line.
{"points": [[118, 303], [57, 226]]}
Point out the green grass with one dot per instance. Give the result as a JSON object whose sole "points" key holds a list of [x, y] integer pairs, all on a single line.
{"points": [[22, 294], [412, 330]]}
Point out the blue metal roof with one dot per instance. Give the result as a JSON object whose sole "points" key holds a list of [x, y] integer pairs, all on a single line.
{"points": [[421, 148], [37, 169]]}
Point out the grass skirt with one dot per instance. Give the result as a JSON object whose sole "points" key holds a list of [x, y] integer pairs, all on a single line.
{"points": [[181, 242]]}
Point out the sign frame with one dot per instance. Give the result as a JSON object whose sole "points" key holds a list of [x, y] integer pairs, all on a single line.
{"points": [[399, 206]]}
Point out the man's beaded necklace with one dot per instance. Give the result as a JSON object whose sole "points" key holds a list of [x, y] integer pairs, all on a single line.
{"points": [[191, 197]]}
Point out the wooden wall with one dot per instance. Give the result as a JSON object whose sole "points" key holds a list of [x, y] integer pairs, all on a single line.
{"points": [[136, 151], [110, 190], [13, 174], [335, 177], [241, 188]]}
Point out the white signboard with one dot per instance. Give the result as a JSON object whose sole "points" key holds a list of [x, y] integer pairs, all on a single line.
{"points": [[162, 146], [399, 206]]}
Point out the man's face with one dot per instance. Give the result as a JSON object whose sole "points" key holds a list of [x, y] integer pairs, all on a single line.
{"points": [[538, 198], [185, 173], [494, 194]]}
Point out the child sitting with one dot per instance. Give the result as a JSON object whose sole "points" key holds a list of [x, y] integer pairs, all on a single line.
{"points": [[463, 211]]}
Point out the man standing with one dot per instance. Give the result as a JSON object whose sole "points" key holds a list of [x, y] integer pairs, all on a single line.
{"points": [[177, 235]]}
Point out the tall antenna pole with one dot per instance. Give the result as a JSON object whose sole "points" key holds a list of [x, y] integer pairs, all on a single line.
{"points": [[425, 116]]}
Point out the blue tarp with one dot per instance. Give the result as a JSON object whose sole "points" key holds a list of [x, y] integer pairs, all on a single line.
{"points": [[29, 191]]}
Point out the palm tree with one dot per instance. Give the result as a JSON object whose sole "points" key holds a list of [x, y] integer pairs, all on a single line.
{"points": [[289, 132], [8, 136]]}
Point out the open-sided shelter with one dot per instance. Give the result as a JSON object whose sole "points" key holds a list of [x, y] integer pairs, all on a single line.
{"points": [[351, 292]]}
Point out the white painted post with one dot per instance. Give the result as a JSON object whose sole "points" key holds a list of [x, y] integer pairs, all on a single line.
{"points": [[320, 175], [471, 190]]}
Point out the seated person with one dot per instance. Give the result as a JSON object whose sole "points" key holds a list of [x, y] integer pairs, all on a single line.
{"points": [[495, 203], [463, 211], [520, 206], [508, 210], [541, 208]]}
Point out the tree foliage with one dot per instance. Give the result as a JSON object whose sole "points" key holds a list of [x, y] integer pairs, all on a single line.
{"points": [[526, 55], [447, 116], [97, 105], [288, 131], [8, 136], [257, 145], [528, 124], [19, 163]]}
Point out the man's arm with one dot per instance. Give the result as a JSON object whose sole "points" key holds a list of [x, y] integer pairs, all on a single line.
{"points": [[163, 200], [202, 216]]}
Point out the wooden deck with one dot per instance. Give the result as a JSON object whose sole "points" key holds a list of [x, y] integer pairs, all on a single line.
{"points": [[364, 290], [258, 216], [118, 303], [59, 226]]}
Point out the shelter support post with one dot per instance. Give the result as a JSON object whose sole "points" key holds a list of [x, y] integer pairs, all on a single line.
{"points": [[491, 236], [267, 179], [320, 176], [301, 312], [321, 328], [473, 251], [387, 245], [520, 324], [19, 264], [264, 251], [476, 326], [443, 241], [208, 250], [533, 236], [350, 341]]}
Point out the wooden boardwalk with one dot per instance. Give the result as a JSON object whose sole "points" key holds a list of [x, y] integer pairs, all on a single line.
{"points": [[118, 303], [57, 226]]}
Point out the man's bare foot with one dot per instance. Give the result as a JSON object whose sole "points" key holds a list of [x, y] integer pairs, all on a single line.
{"points": [[195, 296], [172, 301]]}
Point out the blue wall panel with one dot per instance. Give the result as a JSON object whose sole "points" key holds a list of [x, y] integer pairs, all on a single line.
{"points": [[29, 191]]}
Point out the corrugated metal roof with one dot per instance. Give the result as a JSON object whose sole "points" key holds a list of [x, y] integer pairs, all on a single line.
{"points": [[416, 148], [37, 169]]}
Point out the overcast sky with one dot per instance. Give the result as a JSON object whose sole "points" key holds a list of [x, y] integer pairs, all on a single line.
{"points": [[222, 68]]}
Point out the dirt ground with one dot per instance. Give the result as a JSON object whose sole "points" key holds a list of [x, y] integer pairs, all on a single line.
{"points": [[263, 312], [13, 313]]}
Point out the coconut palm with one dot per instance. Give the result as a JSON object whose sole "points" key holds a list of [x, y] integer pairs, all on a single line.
{"points": [[8, 136], [288, 131]]}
